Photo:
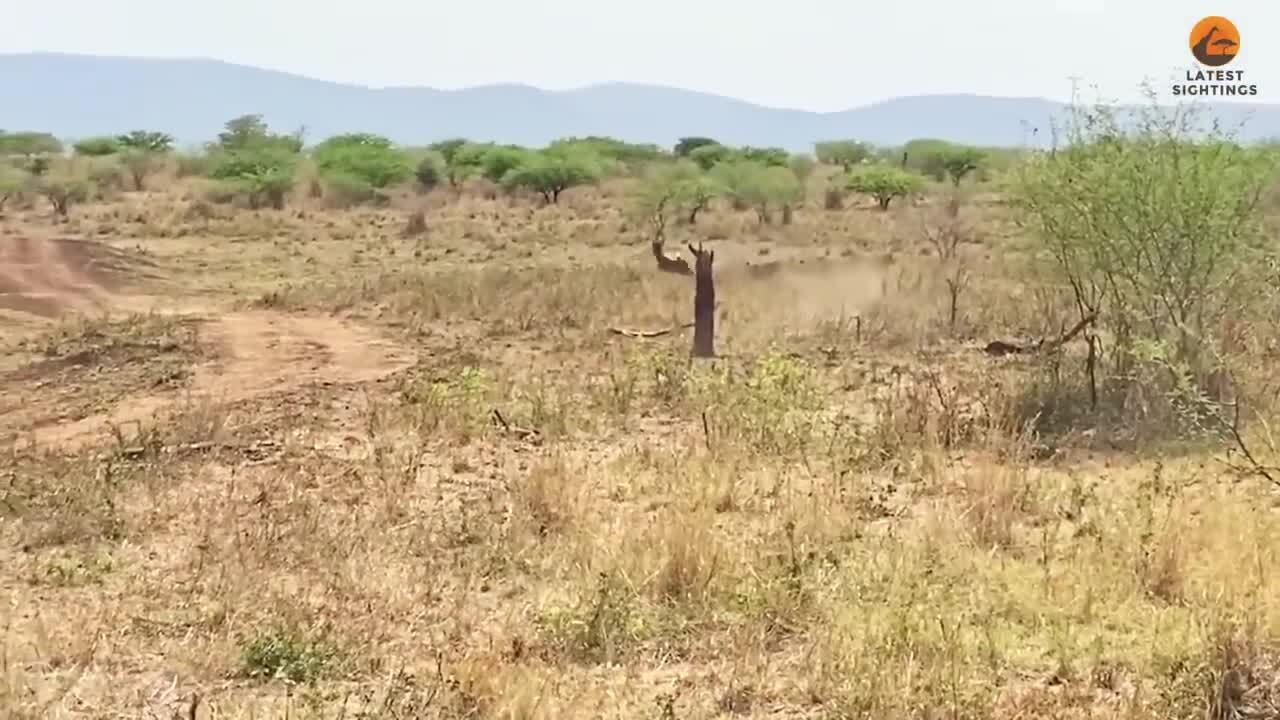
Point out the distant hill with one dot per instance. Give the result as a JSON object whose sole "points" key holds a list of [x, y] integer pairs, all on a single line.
{"points": [[75, 96]]}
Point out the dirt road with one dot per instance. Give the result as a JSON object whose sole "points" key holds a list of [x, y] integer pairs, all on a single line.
{"points": [[254, 352]]}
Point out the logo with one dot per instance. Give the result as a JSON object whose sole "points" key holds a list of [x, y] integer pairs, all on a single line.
{"points": [[1215, 41]]}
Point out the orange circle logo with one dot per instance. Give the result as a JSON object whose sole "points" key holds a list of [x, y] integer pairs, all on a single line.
{"points": [[1215, 41]]}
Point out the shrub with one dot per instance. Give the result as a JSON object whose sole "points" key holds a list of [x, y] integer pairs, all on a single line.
{"points": [[429, 170], [262, 164], [12, 182], [845, 153], [105, 174], [685, 146], [250, 132], [1156, 229], [938, 158], [757, 185], [28, 143], [192, 163], [803, 167], [344, 190], [146, 141], [265, 174], [884, 183], [447, 148], [708, 156], [139, 164], [611, 149], [97, 146], [774, 157], [372, 158], [63, 190], [496, 161]]}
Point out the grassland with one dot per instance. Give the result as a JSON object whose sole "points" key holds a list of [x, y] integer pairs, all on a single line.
{"points": [[254, 470]]}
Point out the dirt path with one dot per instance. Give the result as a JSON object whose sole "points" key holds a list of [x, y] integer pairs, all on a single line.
{"points": [[47, 277], [257, 352], [253, 352]]}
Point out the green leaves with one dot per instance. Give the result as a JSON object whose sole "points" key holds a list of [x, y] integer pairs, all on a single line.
{"points": [[97, 146], [371, 158], [28, 143], [552, 171], [845, 153], [1156, 224], [884, 183]]}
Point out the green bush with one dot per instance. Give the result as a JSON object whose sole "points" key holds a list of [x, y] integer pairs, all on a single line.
{"points": [[13, 182], [262, 164], [343, 190], [28, 143], [372, 158], [550, 172], [757, 185], [708, 156], [1155, 227], [250, 132], [429, 170], [611, 149], [845, 153], [884, 183], [447, 148], [146, 141], [97, 146], [803, 167], [64, 189], [685, 146], [498, 160], [774, 157]]}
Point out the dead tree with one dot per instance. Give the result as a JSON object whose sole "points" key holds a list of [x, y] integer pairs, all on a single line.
{"points": [[704, 303]]}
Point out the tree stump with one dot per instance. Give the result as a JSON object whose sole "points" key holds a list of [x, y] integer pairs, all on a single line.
{"points": [[704, 303]]}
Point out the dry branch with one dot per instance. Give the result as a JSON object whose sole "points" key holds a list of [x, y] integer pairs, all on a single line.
{"points": [[523, 433], [648, 333], [1001, 347]]}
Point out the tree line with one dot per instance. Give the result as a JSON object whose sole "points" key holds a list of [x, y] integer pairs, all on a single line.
{"points": [[252, 161]]}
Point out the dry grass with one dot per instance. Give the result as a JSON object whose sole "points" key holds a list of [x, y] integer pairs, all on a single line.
{"points": [[851, 515]]}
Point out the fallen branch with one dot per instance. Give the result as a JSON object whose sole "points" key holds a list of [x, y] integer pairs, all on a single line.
{"points": [[1000, 347], [649, 333], [523, 433]]}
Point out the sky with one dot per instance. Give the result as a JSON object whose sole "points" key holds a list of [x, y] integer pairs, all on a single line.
{"points": [[821, 55]]}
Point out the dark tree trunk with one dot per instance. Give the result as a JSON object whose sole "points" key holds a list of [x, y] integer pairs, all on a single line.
{"points": [[884, 202], [704, 303]]}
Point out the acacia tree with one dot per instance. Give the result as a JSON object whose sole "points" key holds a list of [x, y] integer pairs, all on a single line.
{"points": [[759, 186], [884, 183], [551, 172], [845, 153]]}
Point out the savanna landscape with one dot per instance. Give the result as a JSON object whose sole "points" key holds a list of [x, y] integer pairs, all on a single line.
{"points": [[344, 429]]}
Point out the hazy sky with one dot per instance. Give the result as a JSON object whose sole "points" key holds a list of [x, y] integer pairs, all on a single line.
{"points": [[811, 54]]}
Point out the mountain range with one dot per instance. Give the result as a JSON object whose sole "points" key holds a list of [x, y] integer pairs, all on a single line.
{"points": [[75, 96]]}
